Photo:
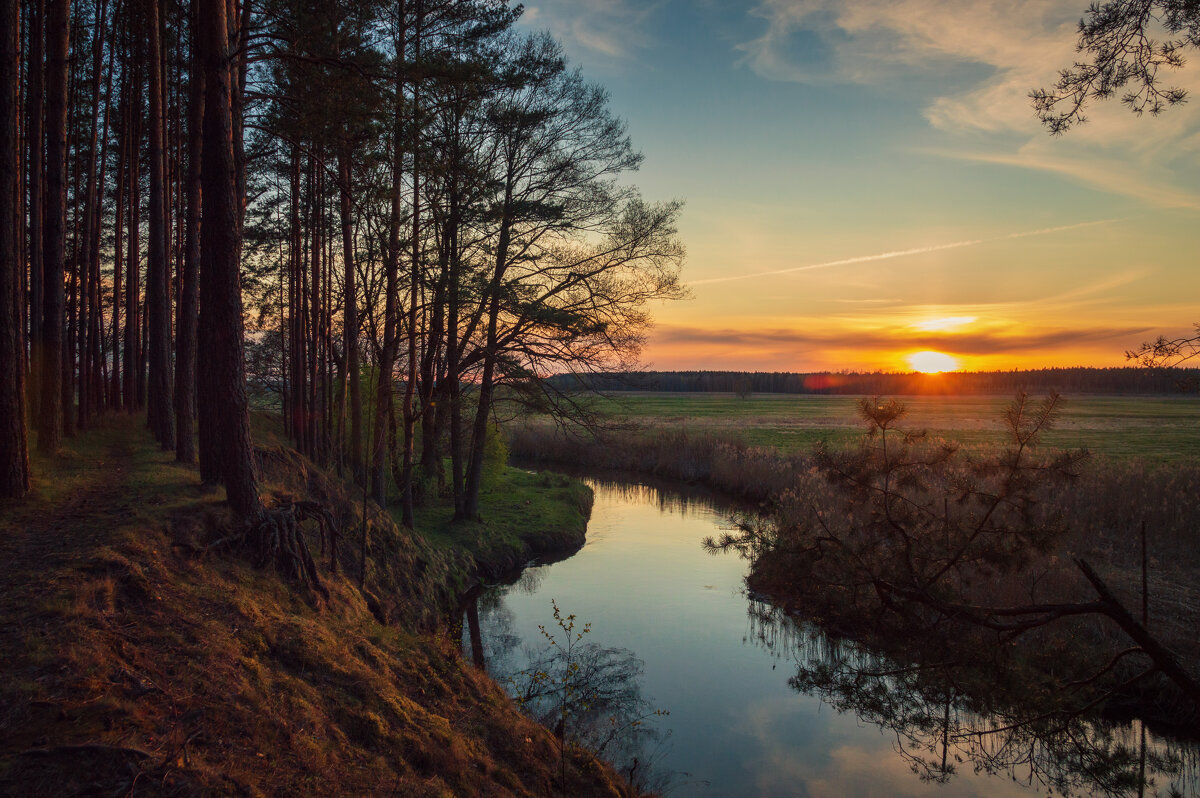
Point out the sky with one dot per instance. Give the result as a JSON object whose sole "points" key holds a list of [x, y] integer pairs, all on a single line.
{"points": [[865, 180]]}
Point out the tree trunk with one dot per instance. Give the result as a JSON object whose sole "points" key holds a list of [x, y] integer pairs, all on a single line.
{"points": [[14, 465], [189, 306], [158, 275], [34, 167], [91, 223], [132, 353], [474, 475], [296, 302], [452, 333], [96, 315], [220, 287], [407, 509], [387, 356], [350, 318], [58, 13], [118, 261]]}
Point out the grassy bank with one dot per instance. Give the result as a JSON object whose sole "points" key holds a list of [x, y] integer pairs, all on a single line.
{"points": [[524, 514], [136, 665]]}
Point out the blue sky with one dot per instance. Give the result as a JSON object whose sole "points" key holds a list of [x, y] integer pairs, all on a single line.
{"points": [[865, 180]]}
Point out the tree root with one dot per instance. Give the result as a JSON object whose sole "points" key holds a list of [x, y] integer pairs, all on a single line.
{"points": [[275, 538]]}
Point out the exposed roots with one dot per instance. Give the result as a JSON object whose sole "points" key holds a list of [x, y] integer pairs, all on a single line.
{"points": [[275, 538]]}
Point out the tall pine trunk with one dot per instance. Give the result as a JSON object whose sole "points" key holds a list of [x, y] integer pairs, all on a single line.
{"points": [[189, 305], [96, 314], [158, 275], [118, 259], [387, 357], [91, 222], [14, 462], [132, 352], [350, 317], [58, 14], [407, 489], [35, 134], [220, 287]]}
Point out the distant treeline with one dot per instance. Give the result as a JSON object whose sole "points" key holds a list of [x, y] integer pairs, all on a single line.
{"points": [[1125, 380]]}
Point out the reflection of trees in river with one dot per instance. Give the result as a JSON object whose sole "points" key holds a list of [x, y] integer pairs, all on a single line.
{"points": [[594, 698], [530, 580], [497, 638], [607, 712], [943, 720], [675, 498]]}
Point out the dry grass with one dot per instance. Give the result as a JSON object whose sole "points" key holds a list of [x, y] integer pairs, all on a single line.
{"points": [[133, 666]]}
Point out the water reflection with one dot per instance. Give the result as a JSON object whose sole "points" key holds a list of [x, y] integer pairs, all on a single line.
{"points": [[586, 693], [750, 691], [940, 728]]}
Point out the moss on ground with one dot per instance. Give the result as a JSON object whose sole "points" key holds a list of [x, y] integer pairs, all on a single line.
{"points": [[134, 665]]}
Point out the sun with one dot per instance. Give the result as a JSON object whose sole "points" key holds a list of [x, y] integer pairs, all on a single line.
{"points": [[931, 362]]}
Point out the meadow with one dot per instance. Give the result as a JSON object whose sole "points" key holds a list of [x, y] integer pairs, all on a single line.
{"points": [[1155, 428]]}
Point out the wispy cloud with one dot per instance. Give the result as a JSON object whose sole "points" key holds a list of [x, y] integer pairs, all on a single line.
{"points": [[609, 31], [870, 41], [901, 253], [974, 62], [1150, 184]]}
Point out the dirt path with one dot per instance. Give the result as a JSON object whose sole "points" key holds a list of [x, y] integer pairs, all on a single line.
{"points": [[49, 547], [45, 536]]}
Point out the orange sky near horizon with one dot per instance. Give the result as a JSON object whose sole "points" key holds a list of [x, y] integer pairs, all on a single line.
{"points": [[1081, 296]]}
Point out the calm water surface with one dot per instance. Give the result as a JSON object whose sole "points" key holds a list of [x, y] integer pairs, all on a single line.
{"points": [[736, 727]]}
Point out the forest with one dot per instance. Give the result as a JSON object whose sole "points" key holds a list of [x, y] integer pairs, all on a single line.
{"points": [[389, 217]]}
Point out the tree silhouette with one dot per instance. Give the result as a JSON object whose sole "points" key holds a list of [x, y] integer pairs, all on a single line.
{"points": [[1122, 55]]}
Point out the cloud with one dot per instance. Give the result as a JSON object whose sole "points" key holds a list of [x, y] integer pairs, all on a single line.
{"points": [[973, 63], [1001, 339], [900, 253], [1142, 182], [608, 31], [872, 41]]}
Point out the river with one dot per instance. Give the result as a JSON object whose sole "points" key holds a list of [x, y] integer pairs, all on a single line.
{"points": [[751, 695]]}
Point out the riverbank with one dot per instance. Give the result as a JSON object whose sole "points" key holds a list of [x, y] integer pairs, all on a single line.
{"points": [[137, 665], [1105, 508], [525, 515]]}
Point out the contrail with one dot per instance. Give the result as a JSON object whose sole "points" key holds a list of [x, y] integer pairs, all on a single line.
{"points": [[900, 253]]}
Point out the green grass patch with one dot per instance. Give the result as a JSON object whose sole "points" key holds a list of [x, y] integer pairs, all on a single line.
{"points": [[1156, 428], [521, 512]]}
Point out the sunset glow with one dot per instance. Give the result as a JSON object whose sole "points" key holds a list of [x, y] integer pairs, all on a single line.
{"points": [[931, 362], [942, 220], [947, 323]]}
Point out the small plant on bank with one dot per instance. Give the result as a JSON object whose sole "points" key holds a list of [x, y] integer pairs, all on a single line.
{"points": [[589, 695]]}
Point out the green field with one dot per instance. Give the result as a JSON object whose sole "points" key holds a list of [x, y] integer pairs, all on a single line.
{"points": [[1154, 427]]}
